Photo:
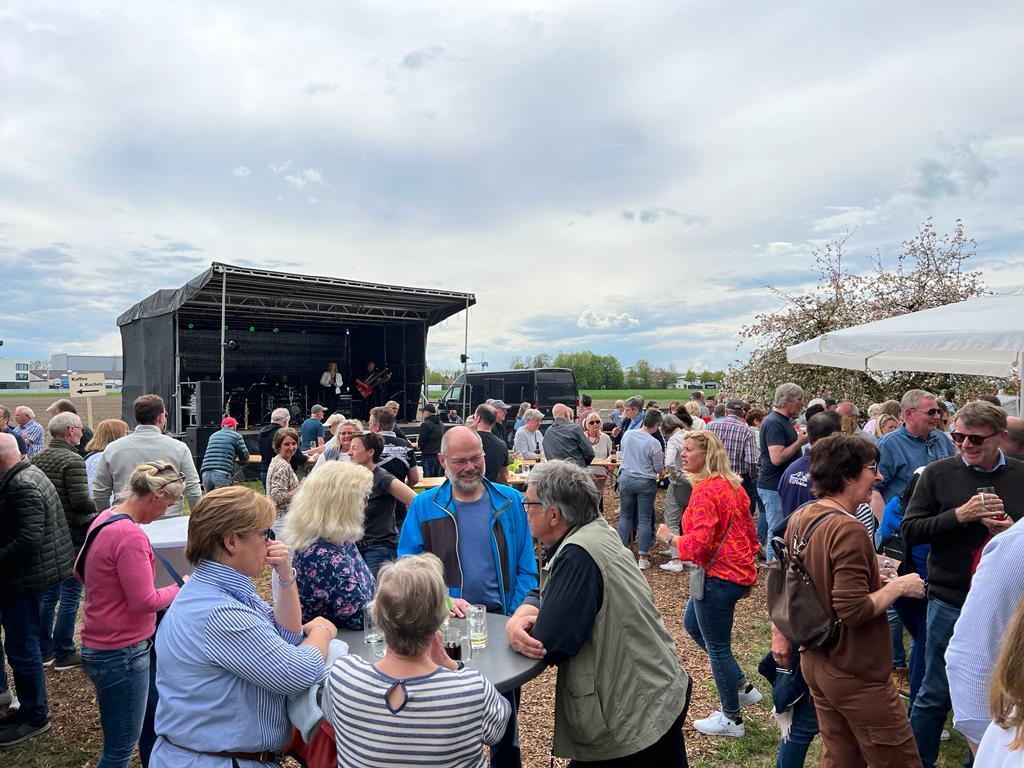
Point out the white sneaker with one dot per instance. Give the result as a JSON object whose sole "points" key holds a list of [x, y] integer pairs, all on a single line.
{"points": [[644, 563], [676, 566], [753, 696], [719, 725], [944, 736]]}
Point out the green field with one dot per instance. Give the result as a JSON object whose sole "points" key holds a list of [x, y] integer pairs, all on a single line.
{"points": [[663, 396]]}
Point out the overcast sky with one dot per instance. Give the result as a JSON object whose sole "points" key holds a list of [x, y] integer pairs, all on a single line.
{"points": [[620, 177]]}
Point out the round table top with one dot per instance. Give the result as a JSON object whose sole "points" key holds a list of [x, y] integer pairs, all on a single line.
{"points": [[502, 666], [167, 531]]}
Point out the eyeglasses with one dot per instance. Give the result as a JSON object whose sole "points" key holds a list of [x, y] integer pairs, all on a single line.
{"points": [[960, 437], [465, 462], [873, 466], [929, 411], [528, 504]]}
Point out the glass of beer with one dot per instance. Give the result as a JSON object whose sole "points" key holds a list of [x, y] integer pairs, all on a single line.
{"points": [[476, 619]]}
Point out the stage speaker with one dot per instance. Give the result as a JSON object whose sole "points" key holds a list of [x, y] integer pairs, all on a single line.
{"points": [[196, 438], [209, 408]]}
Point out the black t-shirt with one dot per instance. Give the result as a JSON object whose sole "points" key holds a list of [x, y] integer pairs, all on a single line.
{"points": [[776, 429], [495, 455], [398, 457], [379, 526]]}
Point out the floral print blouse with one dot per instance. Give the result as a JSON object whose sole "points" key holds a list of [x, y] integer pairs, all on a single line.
{"points": [[334, 582]]}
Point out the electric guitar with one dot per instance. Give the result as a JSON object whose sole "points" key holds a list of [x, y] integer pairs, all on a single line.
{"points": [[375, 379]]}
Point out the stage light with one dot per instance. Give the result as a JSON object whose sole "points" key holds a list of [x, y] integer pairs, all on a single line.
{"points": [[276, 329], [232, 344], [252, 329], [191, 326]]}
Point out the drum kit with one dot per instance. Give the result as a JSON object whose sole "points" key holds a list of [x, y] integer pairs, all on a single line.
{"points": [[263, 398]]}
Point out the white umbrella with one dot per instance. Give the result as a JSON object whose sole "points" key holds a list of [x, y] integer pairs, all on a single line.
{"points": [[982, 336]]}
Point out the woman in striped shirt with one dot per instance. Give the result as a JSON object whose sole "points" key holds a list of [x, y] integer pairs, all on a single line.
{"points": [[416, 705]]}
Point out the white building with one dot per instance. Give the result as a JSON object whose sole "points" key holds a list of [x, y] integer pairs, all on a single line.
{"points": [[14, 374]]}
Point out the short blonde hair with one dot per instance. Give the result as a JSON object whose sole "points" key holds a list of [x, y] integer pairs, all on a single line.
{"points": [[716, 459], [159, 478], [107, 431], [234, 509], [410, 602], [693, 408], [329, 505], [882, 420]]}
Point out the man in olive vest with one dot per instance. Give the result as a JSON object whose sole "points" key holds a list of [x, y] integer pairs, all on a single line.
{"points": [[621, 696]]}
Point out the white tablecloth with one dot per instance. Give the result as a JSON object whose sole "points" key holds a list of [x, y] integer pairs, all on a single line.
{"points": [[168, 537]]}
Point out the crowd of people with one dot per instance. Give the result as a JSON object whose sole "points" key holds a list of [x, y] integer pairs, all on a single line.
{"points": [[902, 519]]}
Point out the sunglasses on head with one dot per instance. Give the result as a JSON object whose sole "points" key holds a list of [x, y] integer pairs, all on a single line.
{"points": [[960, 437]]}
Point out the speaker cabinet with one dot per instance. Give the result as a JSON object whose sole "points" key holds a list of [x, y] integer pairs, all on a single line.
{"points": [[209, 408]]}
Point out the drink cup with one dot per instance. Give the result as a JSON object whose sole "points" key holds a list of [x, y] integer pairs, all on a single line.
{"points": [[456, 645], [372, 634], [476, 620]]}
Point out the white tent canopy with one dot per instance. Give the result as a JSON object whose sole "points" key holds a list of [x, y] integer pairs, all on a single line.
{"points": [[982, 336]]}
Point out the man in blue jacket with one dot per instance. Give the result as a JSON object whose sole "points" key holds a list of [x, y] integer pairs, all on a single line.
{"points": [[479, 531]]}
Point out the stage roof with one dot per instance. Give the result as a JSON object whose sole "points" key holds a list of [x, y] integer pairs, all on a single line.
{"points": [[293, 301]]}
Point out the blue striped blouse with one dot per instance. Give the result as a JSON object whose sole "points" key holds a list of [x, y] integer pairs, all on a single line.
{"points": [[224, 671]]}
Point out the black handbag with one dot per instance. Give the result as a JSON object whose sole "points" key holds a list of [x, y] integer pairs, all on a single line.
{"points": [[793, 602]]}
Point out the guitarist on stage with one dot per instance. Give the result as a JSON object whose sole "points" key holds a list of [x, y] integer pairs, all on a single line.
{"points": [[369, 385]]}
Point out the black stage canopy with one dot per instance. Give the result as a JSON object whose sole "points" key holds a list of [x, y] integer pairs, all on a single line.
{"points": [[278, 323]]}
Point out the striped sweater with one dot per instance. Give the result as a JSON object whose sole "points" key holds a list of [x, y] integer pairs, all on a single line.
{"points": [[445, 720]]}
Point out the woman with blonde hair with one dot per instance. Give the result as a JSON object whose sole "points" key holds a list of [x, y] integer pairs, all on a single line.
{"points": [[322, 528], [228, 661], [884, 424], [1005, 735], [692, 407], [107, 431], [119, 615], [718, 537], [415, 698], [521, 416]]}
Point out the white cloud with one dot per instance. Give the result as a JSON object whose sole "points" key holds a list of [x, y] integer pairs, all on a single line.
{"points": [[591, 319], [304, 177], [242, 172]]}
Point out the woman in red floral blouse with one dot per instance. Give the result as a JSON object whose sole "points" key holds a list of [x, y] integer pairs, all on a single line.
{"points": [[718, 535]]}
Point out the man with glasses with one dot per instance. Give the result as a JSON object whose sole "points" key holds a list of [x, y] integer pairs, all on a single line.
{"points": [[959, 504], [916, 443], [62, 464], [479, 531]]}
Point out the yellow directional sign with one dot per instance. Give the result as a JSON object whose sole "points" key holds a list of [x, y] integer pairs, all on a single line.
{"points": [[86, 385]]}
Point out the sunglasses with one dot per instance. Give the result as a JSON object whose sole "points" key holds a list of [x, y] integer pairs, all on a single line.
{"points": [[960, 437], [930, 411]]}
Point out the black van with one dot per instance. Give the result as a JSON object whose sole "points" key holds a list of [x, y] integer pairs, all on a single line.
{"points": [[541, 387]]}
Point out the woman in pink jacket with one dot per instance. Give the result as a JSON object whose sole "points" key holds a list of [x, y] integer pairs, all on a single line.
{"points": [[119, 619]]}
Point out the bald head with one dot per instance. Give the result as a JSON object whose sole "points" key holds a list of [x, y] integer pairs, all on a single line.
{"points": [[1013, 441], [847, 409], [458, 440], [9, 453], [560, 411]]}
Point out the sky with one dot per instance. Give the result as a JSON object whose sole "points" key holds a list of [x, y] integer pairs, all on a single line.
{"points": [[620, 177]]}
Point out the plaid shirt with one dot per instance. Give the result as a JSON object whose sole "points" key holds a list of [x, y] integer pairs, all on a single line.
{"points": [[738, 440], [32, 433]]}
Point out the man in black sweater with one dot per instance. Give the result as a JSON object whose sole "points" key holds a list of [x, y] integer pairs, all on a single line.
{"points": [[429, 441], [959, 504]]}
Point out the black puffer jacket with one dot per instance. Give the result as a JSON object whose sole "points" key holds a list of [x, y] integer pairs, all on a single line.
{"points": [[35, 544], [66, 470]]}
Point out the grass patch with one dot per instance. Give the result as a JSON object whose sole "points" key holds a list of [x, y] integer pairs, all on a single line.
{"points": [[50, 752]]}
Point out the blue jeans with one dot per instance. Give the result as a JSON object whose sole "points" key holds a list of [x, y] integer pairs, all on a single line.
{"points": [[792, 753], [432, 467], [772, 502], [914, 614], [216, 478], [636, 503], [899, 653], [376, 555], [20, 618], [121, 678], [59, 640], [709, 623], [757, 509], [932, 705]]}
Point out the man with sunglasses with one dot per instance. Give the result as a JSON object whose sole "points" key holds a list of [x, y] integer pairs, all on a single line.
{"points": [[959, 504], [916, 443]]}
